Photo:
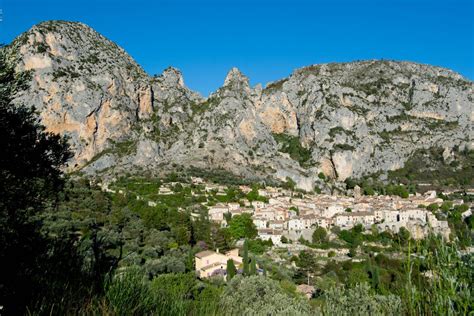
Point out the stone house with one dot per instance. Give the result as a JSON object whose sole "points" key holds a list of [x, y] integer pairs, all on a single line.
{"points": [[260, 222], [295, 224], [277, 224], [349, 220], [209, 263], [271, 234], [216, 212]]}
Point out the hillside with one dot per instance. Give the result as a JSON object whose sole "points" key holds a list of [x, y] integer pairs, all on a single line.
{"points": [[344, 120]]}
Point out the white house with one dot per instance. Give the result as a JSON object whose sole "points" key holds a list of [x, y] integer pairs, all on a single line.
{"points": [[271, 234]]}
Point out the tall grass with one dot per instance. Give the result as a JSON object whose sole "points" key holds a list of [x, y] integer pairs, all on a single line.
{"points": [[128, 293], [444, 286]]}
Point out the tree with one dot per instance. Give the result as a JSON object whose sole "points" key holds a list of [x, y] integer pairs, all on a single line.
{"points": [[289, 184], [358, 229], [242, 226], [307, 262], [352, 252], [253, 266], [231, 269], [245, 258], [258, 295], [446, 206], [403, 235], [30, 178], [319, 235]]}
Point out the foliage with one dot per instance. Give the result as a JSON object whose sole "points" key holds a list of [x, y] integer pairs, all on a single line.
{"points": [[289, 184], [231, 269], [258, 246], [257, 295], [291, 145], [30, 177], [253, 266], [445, 287], [254, 196], [319, 235], [242, 226], [170, 294], [359, 301], [129, 293], [246, 259], [428, 166]]}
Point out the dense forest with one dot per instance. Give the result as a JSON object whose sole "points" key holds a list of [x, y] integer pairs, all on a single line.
{"points": [[69, 247]]}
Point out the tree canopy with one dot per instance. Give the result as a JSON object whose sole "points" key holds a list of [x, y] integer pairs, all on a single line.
{"points": [[242, 226], [30, 177]]}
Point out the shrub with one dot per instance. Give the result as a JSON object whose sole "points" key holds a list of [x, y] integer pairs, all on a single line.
{"points": [[291, 145], [359, 301], [433, 207], [258, 295]]}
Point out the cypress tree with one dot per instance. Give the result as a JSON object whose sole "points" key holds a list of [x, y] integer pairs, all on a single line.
{"points": [[231, 269], [246, 258], [253, 267]]}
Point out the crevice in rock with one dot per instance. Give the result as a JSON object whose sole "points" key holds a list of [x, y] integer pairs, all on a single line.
{"points": [[333, 166]]}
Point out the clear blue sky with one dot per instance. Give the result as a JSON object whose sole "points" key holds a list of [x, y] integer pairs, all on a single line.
{"points": [[266, 39]]}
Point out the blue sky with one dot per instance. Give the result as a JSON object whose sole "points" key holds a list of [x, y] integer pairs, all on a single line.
{"points": [[266, 39]]}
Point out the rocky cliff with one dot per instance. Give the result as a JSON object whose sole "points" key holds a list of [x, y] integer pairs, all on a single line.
{"points": [[343, 119]]}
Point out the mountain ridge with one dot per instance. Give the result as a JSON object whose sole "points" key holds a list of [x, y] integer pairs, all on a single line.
{"points": [[344, 120]]}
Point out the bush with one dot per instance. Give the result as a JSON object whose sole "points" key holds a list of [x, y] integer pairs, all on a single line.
{"points": [[433, 207], [319, 235], [258, 295], [292, 146], [359, 301]]}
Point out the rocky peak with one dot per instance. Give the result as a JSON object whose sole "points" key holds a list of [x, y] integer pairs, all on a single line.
{"points": [[73, 48], [172, 77], [84, 85], [235, 79], [342, 119]]}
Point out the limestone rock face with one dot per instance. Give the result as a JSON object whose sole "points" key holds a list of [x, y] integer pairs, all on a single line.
{"points": [[84, 85], [345, 120]]}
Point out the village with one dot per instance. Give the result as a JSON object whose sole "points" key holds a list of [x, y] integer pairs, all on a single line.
{"points": [[288, 217], [297, 217], [284, 213]]}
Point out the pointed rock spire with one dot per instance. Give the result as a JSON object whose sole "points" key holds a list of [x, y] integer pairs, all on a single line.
{"points": [[235, 78], [172, 77]]}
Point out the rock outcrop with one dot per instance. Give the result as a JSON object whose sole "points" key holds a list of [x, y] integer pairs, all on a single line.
{"points": [[345, 120]]}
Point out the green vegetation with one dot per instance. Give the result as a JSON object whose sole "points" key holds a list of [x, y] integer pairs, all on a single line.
{"points": [[242, 226], [231, 269], [68, 247], [257, 295], [30, 176], [254, 196], [274, 86], [291, 145], [428, 166], [370, 186], [319, 235]]}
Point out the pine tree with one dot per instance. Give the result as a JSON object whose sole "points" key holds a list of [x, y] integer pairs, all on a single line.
{"points": [[231, 269]]}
